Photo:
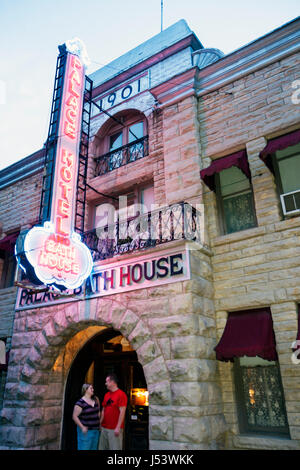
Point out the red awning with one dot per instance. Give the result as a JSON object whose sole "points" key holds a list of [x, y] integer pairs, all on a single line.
{"points": [[248, 333], [279, 143], [7, 243], [238, 159]]}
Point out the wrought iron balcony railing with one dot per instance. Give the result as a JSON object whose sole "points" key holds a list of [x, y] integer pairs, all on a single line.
{"points": [[122, 156], [177, 222]]}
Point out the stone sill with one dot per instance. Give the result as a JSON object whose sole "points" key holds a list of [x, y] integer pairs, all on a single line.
{"points": [[238, 236], [288, 223], [264, 443], [279, 226]]}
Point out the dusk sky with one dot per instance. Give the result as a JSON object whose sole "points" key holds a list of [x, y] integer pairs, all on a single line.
{"points": [[31, 30]]}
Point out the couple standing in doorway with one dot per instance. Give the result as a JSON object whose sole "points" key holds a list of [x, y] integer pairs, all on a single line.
{"points": [[110, 420]]}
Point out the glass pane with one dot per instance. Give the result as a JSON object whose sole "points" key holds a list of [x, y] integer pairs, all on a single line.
{"points": [[290, 203], [116, 141], [239, 213], [147, 199], [233, 180], [263, 397], [2, 352], [289, 169], [136, 131]]}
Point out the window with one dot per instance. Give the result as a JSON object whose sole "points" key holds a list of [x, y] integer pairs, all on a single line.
{"points": [[249, 342], [138, 202], [7, 260], [128, 137], [286, 165], [282, 156], [230, 178], [3, 367], [260, 398], [235, 200], [124, 141], [2, 353], [7, 269], [115, 141], [146, 199]]}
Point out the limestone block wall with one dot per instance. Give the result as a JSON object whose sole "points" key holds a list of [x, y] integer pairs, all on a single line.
{"points": [[19, 209], [257, 267], [182, 152], [20, 203], [257, 105], [171, 66], [172, 329]]}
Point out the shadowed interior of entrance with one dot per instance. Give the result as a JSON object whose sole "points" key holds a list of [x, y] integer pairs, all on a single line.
{"points": [[105, 353]]}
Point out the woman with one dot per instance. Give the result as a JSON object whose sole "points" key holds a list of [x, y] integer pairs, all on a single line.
{"points": [[86, 415]]}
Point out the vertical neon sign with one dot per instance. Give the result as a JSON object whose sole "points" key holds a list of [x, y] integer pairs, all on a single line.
{"points": [[55, 250]]}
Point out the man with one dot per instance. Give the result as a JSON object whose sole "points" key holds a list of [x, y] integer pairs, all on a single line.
{"points": [[112, 416]]}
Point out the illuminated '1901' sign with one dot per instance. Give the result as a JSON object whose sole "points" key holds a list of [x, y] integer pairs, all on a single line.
{"points": [[55, 251]]}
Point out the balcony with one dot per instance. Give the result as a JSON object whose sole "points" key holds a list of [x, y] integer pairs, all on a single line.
{"points": [[177, 222], [122, 156]]}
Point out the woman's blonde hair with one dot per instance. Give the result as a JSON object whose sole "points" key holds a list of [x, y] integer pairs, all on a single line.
{"points": [[84, 388]]}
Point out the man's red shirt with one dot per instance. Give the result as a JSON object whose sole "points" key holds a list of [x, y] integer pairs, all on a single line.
{"points": [[111, 403]]}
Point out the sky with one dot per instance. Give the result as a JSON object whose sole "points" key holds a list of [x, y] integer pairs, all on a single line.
{"points": [[31, 30]]}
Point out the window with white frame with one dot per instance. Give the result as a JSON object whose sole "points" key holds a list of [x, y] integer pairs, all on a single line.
{"points": [[235, 200], [286, 164]]}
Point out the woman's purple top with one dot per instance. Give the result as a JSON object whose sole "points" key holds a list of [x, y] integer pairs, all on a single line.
{"points": [[89, 416]]}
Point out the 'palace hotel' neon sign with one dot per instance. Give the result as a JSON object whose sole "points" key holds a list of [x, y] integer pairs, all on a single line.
{"points": [[55, 250]]}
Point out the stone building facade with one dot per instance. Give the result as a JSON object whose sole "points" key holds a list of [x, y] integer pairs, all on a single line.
{"points": [[187, 107]]}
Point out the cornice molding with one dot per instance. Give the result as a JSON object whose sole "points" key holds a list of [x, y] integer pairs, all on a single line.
{"points": [[260, 53], [181, 84], [264, 51], [22, 169]]}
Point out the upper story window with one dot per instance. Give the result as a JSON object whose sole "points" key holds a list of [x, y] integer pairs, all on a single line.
{"points": [[123, 140], [7, 260], [282, 157], [287, 173], [230, 178], [235, 201], [130, 205]]}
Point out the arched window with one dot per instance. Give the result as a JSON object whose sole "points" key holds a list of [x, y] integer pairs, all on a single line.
{"points": [[122, 140]]}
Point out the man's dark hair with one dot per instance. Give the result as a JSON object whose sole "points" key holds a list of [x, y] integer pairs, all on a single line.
{"points": [[113, 377]]}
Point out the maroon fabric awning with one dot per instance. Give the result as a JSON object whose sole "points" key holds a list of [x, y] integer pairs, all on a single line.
{"points": [[7, 243], [279, 143], [248, 333], [238, 159]]}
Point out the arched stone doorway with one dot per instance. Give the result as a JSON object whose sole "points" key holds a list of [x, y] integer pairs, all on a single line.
{"points": [[45, 361], [106, 352]]}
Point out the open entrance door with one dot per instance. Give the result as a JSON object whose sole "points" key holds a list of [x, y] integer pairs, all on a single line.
{"points": [[106, 353]]}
